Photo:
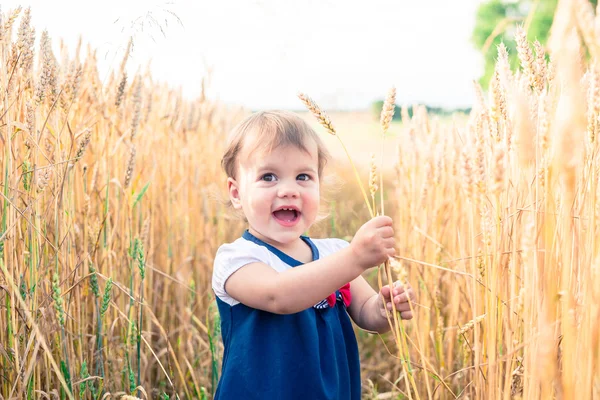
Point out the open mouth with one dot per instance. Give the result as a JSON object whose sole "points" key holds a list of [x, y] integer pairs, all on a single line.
{"points": [[286, 215]]}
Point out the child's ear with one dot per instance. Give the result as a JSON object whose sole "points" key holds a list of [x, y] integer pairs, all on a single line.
{"points": [[234, 193]]}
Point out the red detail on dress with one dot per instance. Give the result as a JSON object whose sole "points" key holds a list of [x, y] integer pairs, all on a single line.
{"points": [[346, 296]]}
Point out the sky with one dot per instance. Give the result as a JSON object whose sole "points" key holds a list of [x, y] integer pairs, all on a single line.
{"points": [[260, 53]]}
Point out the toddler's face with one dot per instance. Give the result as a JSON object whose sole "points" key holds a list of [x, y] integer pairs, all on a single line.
{"points": [[278, 193]]}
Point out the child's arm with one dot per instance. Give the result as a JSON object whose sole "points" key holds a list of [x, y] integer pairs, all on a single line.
{"points": [[367, 309], [259, 286]]}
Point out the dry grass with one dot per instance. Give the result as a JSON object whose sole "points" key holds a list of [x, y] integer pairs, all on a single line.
{"points": [[105, 182], [108, 227]]}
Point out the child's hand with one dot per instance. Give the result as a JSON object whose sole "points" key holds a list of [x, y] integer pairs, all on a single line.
{"points": [[401, 295], [374, 242]]}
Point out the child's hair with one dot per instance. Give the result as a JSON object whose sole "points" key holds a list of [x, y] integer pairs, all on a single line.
{"points": [[267, 130]]}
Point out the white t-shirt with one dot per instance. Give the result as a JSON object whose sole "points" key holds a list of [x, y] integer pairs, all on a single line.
{"points": [[233, 256]]}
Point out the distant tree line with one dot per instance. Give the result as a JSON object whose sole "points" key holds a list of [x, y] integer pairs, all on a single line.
{"points": [[377, 106]]}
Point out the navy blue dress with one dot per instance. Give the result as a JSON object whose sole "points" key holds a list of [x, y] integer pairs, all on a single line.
{"points": [[308, 355]]}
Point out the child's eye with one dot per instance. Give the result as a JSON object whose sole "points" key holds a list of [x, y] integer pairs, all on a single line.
{"points": [[268, 177], [303, 177]]}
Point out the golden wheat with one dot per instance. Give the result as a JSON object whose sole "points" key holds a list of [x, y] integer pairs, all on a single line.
{"points": [[496, 216]]}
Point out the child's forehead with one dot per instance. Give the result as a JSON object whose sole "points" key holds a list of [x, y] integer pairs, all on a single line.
{"points": [[254, 146], [259, 154]]}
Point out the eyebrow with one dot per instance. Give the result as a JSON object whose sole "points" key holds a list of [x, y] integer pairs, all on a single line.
{"points": [[273, 167]]}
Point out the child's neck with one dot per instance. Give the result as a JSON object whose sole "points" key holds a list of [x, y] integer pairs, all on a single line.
{"points": [[298, 249]]}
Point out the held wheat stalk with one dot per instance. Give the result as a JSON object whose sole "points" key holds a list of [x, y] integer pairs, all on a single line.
{"points": [[386, 118], [326, 122]]}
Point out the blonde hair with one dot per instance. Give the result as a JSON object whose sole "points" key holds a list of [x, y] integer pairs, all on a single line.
{"points": [[267, 130]]}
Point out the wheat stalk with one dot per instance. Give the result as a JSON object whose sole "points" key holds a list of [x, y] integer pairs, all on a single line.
{"points": [[525, 56], [326, 123]]}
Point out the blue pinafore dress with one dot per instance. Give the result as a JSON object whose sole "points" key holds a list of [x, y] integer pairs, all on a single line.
{"points": [[311, 354]]}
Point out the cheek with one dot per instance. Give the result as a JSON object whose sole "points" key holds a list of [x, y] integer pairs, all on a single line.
{"points": [[259, 200], [313, 198]]}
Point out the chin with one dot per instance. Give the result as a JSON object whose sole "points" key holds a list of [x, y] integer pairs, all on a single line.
{"points": [[289, 236]]}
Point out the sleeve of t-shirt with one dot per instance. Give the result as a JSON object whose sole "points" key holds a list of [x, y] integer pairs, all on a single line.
{"points": [[332, 245], [229, 258]]}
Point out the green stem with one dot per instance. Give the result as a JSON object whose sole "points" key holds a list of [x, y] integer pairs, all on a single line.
{"points": [[100, 361], [106, 208], [66, 355], [213, 358], [139, 333]]}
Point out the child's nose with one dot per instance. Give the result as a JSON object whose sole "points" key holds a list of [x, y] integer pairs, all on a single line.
{"points": [[288, 190]]}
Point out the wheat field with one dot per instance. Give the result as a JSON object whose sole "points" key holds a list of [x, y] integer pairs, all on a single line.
{"points": [[111, 216]]}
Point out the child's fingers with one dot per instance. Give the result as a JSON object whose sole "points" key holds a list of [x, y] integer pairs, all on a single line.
{"points": [[385, 292], [403, 309], [400, 292], [389, 243], [382, 220], [403, 298], [406, 315], [386, 232], [409, 292], [398, 288], [398, 306]]}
